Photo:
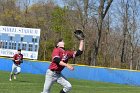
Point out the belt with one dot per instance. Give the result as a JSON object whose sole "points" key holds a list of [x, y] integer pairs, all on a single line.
{"points": [[58, 72]]}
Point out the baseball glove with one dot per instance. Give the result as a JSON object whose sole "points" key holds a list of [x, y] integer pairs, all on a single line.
{"points": [[79, 35]]}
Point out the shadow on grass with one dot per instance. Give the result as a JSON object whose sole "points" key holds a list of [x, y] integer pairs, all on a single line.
{"points": [[24, 81]]}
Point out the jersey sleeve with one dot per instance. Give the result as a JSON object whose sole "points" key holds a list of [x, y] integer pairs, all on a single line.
{"points": [[55, 53], [71, 54], [21, 57]]}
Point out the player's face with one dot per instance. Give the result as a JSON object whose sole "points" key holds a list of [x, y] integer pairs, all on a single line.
{"points": [[61, 44], [19, 52]]}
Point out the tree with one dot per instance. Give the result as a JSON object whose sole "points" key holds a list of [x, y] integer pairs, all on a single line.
{"points": [[10, 13], [102, 11], [128, 11]]}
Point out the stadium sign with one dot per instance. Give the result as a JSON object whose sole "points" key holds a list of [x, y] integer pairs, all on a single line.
{"points": [[13, 38]]}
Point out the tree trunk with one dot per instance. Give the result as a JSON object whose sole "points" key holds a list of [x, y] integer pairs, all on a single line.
{"points": [[101, 16]]}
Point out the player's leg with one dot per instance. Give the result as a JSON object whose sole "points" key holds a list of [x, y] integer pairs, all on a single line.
{"points": [[65, 83], [12, 71], [17, 72], [62, 91], [49, 80]]}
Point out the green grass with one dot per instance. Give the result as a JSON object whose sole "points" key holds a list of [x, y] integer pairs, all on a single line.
{"points": [[29, 83]]}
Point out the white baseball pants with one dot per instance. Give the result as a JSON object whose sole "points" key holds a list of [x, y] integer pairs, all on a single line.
{"points": [[51, 77]]}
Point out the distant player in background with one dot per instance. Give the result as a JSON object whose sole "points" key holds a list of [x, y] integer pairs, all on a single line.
{"points": [[60, 58], [17, 60]]}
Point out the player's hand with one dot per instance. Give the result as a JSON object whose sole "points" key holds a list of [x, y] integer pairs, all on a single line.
{"points": [[70, 67], [66, 65]]}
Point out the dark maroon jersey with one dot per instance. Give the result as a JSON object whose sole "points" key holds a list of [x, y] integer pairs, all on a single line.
{"points": [[18, 57], [64, 56]]}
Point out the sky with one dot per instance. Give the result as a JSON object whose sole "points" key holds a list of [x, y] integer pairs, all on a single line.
{"points": [[59, 2]]}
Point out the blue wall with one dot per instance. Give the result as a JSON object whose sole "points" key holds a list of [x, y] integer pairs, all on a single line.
{"points": [[80, 72]]}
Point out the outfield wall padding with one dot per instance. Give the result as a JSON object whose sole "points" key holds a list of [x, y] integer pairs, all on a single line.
{"points": [[81, 72]]}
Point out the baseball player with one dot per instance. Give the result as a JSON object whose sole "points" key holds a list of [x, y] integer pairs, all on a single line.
{"points": [[60, 57], [17, 60]]}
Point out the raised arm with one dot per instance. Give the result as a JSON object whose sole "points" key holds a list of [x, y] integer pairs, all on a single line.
{"points": [[80, 51], [81, 45]]}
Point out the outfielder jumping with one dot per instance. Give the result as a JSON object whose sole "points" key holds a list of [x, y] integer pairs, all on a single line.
{"points": [[17, 60], [60, 58]]}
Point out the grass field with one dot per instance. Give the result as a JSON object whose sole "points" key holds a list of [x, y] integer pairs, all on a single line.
{"points": [[29, 83]]}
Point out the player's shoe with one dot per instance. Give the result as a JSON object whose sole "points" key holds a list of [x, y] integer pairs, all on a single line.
{"points": [[10, 79], [15, 77]]}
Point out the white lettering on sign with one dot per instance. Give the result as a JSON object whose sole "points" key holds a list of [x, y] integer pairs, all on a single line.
{"points": [[26, 54], [20, 30]]}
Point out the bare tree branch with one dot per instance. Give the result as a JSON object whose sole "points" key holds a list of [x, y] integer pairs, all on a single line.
{"points": [[109, 3]]}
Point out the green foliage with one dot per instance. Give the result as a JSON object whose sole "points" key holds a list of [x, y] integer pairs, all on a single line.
{"points": [[10, 17], [58, 20], [61, 27]]}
